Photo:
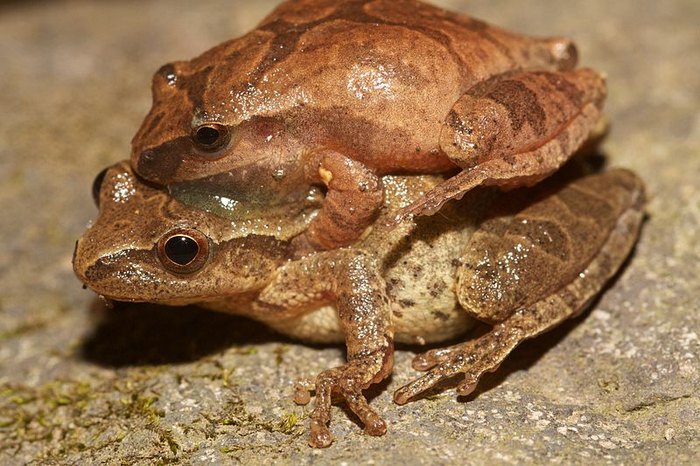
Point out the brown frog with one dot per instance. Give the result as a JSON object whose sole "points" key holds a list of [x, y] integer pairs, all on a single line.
{"points": [[338, 93], [523, 261]]}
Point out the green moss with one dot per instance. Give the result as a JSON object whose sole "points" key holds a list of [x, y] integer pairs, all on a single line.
{"points": [[71, 417], [280, 351], [247, 350], [288, 423], [166, 436], [141, 405], [609, 384], [33, 414], [22, 329], [229, 449]]}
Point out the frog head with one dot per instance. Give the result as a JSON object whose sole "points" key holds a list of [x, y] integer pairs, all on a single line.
{"points": [[147, 247], [212, 124]]}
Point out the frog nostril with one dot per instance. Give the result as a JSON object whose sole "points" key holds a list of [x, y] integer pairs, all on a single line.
{"points": [[148, 156]]}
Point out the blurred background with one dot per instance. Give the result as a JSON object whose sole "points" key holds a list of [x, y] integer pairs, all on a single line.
{"points": [[79, 383]]}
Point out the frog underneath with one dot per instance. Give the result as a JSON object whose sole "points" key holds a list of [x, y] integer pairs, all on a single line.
{"points": [[338, 93], [523, 261]]}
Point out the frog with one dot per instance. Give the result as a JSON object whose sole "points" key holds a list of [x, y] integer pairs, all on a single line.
{"points": [[337, 94], [520, 262]]}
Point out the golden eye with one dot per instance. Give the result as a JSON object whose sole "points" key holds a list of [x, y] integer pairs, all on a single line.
{"points": [[183, 250], [211, 137]]}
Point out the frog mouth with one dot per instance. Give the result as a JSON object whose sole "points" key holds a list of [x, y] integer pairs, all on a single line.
{"points": [[115, 279], [107, 302]]}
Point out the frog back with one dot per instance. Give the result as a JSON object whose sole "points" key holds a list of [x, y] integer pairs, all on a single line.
{"points": [[373, 79]]}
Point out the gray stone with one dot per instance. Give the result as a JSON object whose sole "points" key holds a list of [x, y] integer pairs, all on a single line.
{"points": [[148, 384]]}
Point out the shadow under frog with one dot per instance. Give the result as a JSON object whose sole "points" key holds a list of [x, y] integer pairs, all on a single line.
{"points": [[337, 94], [422, 282], [135, 334]]}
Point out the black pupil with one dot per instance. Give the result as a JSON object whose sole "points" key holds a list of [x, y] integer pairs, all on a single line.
{"points": [[181, 249], [97, 186], [207, 136]]}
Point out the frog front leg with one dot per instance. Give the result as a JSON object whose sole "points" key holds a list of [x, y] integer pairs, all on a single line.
{"points": [[514, 130], [351, 280], [354, 198], [529, 272]]}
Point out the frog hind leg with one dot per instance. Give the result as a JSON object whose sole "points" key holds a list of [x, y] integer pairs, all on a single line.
{"points": [[514, 130], [351, 280], [497, 288]]}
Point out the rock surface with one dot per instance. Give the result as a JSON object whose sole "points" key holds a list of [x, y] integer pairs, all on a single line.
{"points": [[146, 384]]}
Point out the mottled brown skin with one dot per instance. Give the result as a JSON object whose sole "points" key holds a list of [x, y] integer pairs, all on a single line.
{"points": [[351, 90], [523, 261]]}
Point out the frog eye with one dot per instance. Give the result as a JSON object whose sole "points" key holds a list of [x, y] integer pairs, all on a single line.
{"points": [[211, 137], [183, 250], [97, 186]]}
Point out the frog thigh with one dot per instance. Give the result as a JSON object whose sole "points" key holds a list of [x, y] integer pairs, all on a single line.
{"points": [[515, 261], [514, 130]]}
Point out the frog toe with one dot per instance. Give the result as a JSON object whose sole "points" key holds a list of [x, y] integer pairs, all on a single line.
{"points": [[320, 436], [302, 392], [438, 374], [348, 382], [471, 360], [426, 361]]}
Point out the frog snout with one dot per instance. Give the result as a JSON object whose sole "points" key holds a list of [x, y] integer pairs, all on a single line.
{"points": [[75, 251], [161, 164], [79, 263], [147, 165]]}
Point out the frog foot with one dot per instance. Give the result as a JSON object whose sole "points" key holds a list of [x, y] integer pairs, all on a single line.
{"points": [[471, 359], [425, 361], [347, 381]]}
